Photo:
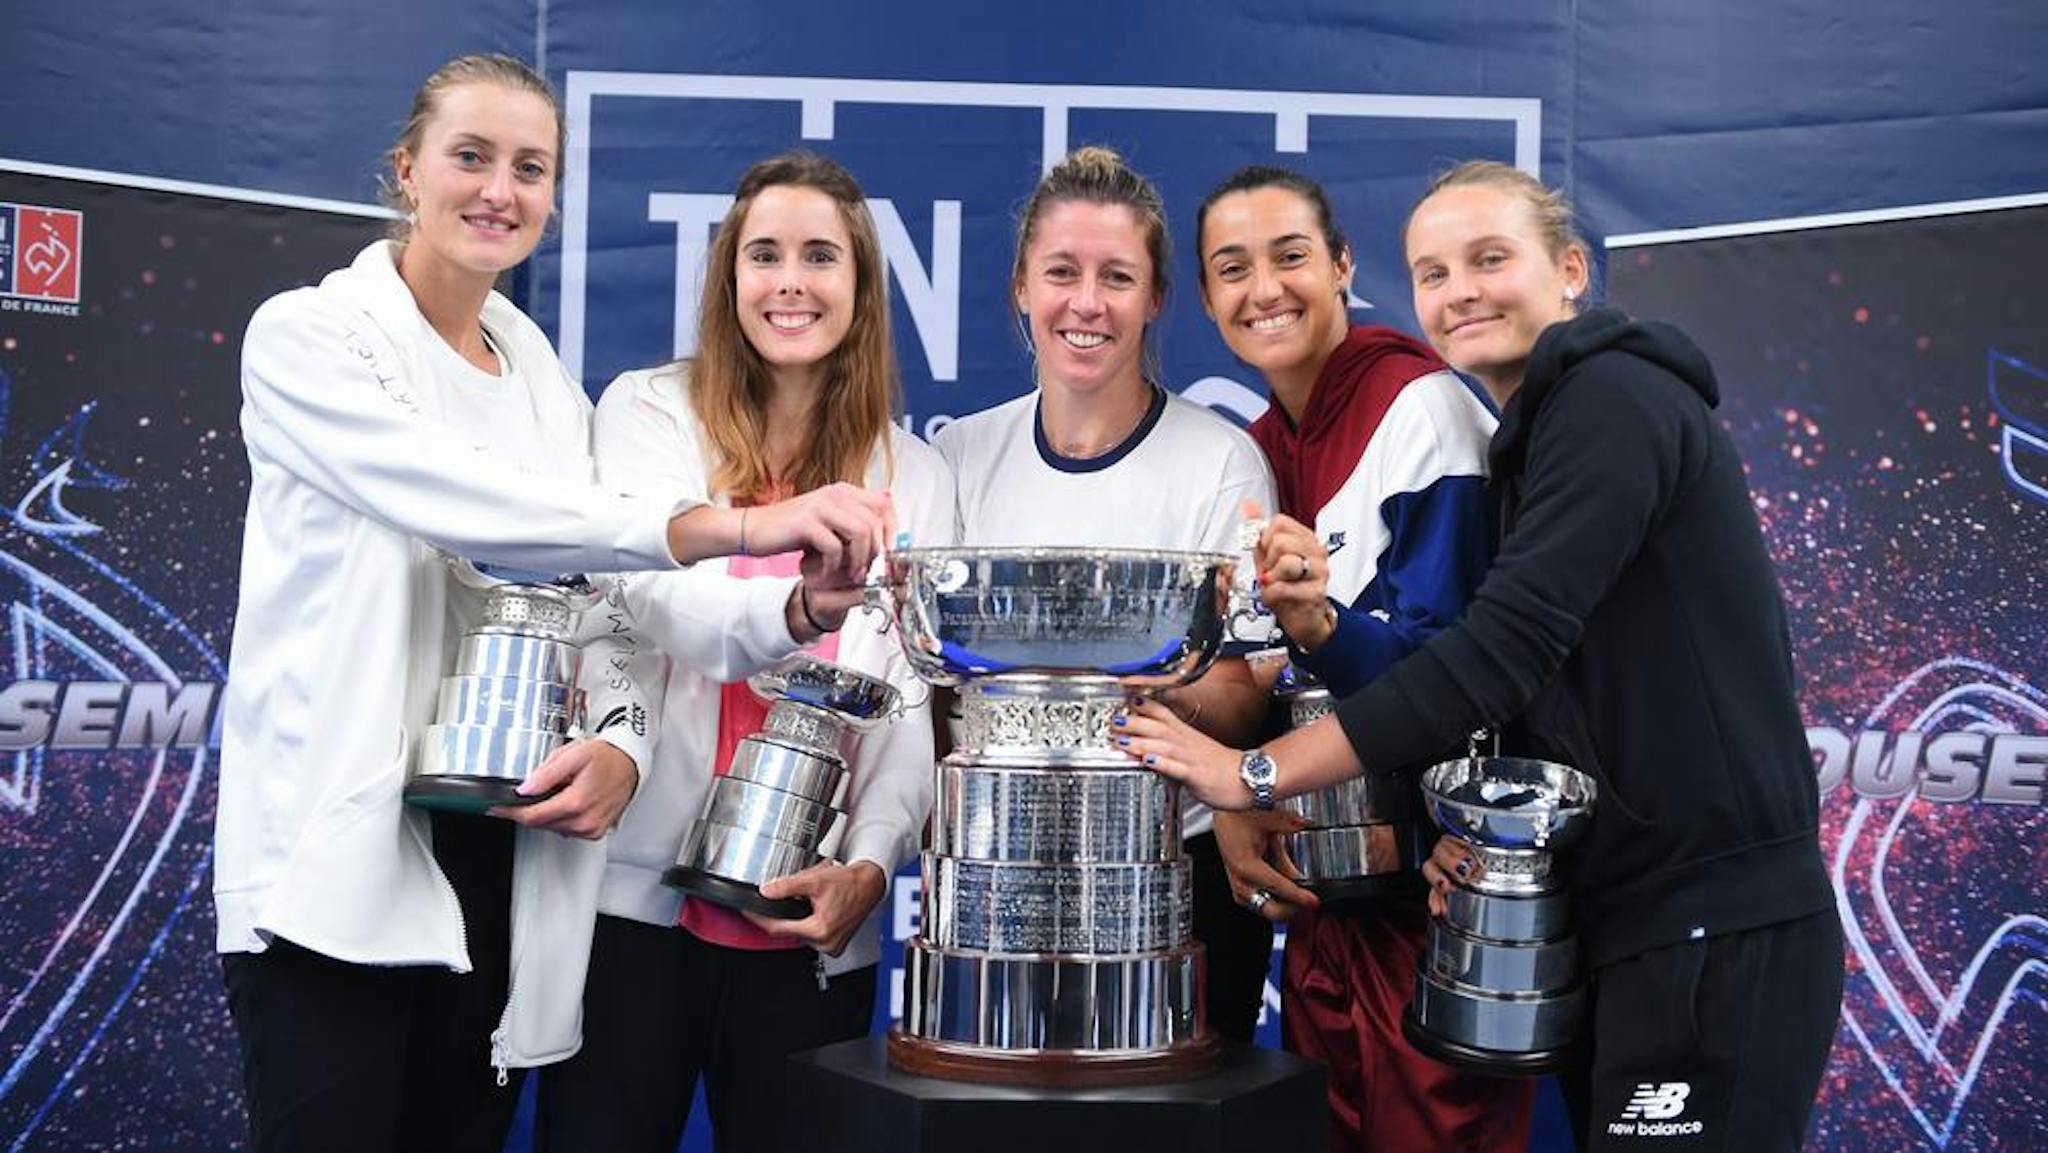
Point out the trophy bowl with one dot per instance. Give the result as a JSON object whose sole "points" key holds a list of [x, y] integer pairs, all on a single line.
{"points": [[856, 699], [1154, 618], [1509, 802]]}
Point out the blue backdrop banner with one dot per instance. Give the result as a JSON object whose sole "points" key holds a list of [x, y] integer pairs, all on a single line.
{"points": [[1885, 378]]}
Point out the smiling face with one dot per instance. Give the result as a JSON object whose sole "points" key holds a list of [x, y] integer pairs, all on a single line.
{"points": [[481, 182], [1270, 282], [794, 278], [1088, 289], [1486, 285]]}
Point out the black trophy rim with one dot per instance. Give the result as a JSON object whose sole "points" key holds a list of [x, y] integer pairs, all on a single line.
{"points": [[734, 894], [1473, 1059], [472, 795]]}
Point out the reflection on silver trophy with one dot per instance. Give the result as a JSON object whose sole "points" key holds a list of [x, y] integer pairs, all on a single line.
{"points": [[1501, 990], [1367, 836], [511, 698], [777, 810], [1057, 942]]}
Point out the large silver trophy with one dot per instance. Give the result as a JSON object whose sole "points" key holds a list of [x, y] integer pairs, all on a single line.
{"points": [[777, 810], [1056, 944], [511, 698], [1501, 990], [1367, 836]]}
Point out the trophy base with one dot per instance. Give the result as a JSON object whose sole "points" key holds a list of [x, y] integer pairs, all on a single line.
{"points": [[734, 894], [1385, 886], [1051, 1068], [1491, 1062], [471, 795]]}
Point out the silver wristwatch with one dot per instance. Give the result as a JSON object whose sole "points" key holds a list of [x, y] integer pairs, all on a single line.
{"points": [[1258, 772]]}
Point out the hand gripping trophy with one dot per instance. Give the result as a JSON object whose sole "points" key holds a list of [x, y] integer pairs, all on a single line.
{"points": [[1501, 990], [776, 810], [1366, 836], [511, 698]]}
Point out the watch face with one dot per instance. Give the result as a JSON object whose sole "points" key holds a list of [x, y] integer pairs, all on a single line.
{"points": [[1258, 770]]}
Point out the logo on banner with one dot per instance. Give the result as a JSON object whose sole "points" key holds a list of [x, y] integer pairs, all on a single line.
{"points": [[106, 754], [40, 253], [2019, 395], [1999, 758], [1924, 1022]]}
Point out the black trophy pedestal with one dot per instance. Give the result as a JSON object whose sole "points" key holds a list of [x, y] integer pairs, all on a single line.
{"points": [[851, 1100], [736, 895], [474, 796]]}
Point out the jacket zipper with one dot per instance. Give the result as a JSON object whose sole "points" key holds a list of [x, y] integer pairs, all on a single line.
{"points": [[501, 1037]]}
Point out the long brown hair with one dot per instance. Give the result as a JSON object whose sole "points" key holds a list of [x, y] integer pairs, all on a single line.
{"points": [[729, 382]]}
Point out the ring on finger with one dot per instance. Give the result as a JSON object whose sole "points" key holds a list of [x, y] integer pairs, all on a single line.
{"points": [[1258, 901]]}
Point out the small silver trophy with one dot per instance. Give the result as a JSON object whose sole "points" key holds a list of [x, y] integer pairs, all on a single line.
{"points": [[777, 809], [1501, 991], [1367, 835], [511, 698]]}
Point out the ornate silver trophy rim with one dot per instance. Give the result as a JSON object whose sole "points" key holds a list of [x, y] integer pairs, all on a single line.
{"points": [[1154, 616], [859, 700], [1058, 552], [1551, 824]]}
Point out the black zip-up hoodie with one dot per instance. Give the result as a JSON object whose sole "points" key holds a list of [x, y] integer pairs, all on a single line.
{"points": [[1631, 626]]}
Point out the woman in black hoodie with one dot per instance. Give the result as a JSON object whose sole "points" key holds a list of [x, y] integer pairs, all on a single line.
{"points": [[1631, 626]]}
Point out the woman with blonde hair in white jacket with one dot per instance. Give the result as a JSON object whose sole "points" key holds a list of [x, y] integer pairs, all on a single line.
{"points": [[387, 972]]}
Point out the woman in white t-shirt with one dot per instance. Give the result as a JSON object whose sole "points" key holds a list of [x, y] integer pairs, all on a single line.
{"points": [[1100, 454], [793, 388]]}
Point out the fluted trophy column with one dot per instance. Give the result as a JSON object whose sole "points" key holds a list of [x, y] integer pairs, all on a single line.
{"points": [[1057, 939], [510, 698]]}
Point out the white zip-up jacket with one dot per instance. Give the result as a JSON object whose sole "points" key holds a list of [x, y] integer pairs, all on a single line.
{"points": [[722, 628], [346, 625]]}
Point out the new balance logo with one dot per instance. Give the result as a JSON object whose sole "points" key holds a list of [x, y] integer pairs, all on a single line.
{"points": [[1657, 1102], [1651, 1109]]}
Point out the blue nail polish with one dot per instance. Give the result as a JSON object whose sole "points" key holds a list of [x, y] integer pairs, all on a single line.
{"points": [[1150, 759], [1119, 719], [1123, 742]]}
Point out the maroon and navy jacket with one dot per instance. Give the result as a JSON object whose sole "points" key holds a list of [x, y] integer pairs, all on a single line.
{"points": [[1389, 467]]}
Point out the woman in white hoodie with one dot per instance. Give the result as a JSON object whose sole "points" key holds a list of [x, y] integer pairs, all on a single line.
{"points": [[379, 964], [793, 388]]}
